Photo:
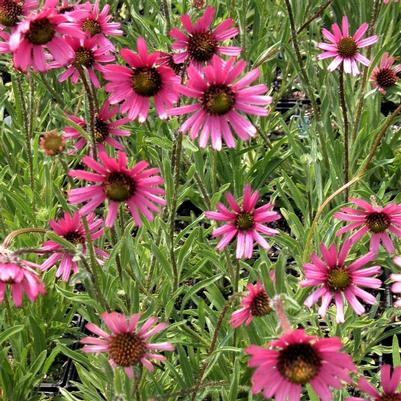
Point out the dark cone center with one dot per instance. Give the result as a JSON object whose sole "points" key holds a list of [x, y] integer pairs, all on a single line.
{"points": [[146, 81], [299, 363], [261, 305], [74, 237], [386, 77], [84, 57], [101, 130], [244, 221], [218, 99], [347, 47], [10, 12], [390, 397], [91, 26], [339, 278], [202, 46], [119, 187], [40, 32], [378, 222], [126, 349]]}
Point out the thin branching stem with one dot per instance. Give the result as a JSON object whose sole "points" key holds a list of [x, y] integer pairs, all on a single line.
{"points": [[354, 179], [211, 350]]}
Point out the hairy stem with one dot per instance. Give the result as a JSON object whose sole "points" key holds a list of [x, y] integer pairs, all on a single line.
{"points": [[173, 209], [93, 265], [10, 237], [375, 13], [92, 111], [210, 352], [346, 129], [28, 142]]}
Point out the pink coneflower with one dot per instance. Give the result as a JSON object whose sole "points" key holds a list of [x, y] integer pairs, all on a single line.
{"points": [[105, 129], [296, 359], [220, 101], [244, 222], [200, 43], [336, 279], [72, 229], [138, 187], [255, 304], [344, 48], [388, 1], [385, 76], [40, 32], [374, 219], [12, 11], [95, 23], [86, 55], [389, 382], [20, 276], [126, 345], [144, 79]]}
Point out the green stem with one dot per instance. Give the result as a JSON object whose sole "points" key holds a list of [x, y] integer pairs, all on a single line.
{"points": [[27, 135], [173, 210], [93, 265], [375, 12], [166, 10], [10, 237], [211, 350], [92, 112], [346, 129]]}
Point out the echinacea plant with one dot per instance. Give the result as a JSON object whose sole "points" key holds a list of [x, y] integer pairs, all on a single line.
{"points": [[138, 187], [246, 223], [344, 48], [296, 359], [336, 279], [127, 345], [184, 200]]}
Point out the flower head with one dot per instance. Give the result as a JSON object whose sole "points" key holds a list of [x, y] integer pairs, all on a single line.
{"points": [[87, 55], [146, 78], [12, 11], [72, 229], [385, 76], [255, 304], [220, 98], [337, 279], [138, 187], [389, 381], [95, 22], [39, 39], [20, 276], [245, 223], [127, 345], [376, 220], [344, 48], [296, 359], [105, 129], [52, 143], [200, 43]]}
